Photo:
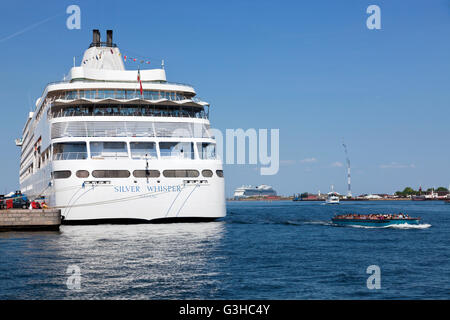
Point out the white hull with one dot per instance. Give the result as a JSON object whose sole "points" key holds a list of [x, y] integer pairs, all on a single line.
{"points": [[332, 201], [85, 200]]}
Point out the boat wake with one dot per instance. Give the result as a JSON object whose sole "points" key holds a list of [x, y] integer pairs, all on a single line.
{"points": [[410, 226], [404, 226], [322, 223]]}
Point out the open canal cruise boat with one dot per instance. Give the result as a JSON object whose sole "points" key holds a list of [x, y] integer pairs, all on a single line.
{"points": [[374, 220]]}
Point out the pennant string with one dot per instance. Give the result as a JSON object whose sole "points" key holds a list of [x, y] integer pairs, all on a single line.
{"points": [[124, 57]]}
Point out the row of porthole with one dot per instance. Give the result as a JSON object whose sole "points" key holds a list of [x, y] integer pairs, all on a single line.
{"points": [[64, 174]]}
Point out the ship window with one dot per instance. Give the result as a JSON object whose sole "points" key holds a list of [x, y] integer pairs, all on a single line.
{"points": [[89, 94], [107, 93], [82, 174], [124, 94], [110, 173], [129, 110], [143, 150], [71, 95], [184, 150], [219, 173], [206, 150], [63, 174], [146, 173], [102, 150], [120, 94], [151, 95], [207, 173], [133, 94], [181, 173], [69, 151]]}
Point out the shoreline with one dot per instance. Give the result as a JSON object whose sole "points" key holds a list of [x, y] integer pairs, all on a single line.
{"points": [[323, 200]]}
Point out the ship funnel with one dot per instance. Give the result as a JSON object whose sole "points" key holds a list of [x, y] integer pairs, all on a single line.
{"points": [[96, 37], [109, 38]]}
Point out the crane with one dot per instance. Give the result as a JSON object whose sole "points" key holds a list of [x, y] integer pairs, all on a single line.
{"points": [[349, 191]]}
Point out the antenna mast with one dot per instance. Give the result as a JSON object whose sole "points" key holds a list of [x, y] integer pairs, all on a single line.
{"points": [[349, 191]]}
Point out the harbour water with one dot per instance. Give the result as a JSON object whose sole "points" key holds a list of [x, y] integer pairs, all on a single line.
{"points": [[261, 250]]}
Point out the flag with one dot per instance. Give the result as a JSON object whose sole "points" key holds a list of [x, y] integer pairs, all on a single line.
{"points": [[125, 58], [139, 79]]}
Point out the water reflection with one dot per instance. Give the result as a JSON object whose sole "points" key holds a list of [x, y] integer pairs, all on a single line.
{"points": [[116, 261]]}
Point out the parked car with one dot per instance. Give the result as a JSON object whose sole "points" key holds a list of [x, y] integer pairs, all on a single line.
{"points": [[20, 203]]}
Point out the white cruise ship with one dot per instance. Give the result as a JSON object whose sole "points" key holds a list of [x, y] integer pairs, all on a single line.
{"points": [[115, 145], [249, 191]]}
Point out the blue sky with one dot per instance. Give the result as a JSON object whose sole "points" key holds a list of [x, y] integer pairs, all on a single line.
{"points": [[310, 68]]}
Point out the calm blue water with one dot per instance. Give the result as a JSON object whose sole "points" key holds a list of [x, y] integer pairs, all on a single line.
{"points": [[278, 250]]}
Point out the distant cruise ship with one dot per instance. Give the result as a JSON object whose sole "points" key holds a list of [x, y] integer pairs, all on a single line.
{"points": [[259, 191], [109, 144]]}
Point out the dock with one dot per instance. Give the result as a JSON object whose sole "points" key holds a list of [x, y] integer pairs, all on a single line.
{"points": [[30, 220]]}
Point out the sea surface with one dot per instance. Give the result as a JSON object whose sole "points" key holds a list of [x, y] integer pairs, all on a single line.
{"points": [[261, 250]]}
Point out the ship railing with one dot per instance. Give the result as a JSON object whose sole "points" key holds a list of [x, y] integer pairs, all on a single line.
{"points": [[127, 96], [109, 81], [144, 155], [172, 114], [109, 155], [176, 155], [70, 156]]}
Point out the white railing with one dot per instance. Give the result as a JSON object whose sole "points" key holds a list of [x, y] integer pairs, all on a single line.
{"points": [[125, 81], [109, 155], [124, 155], [143, 155], [87, 128], [70, 156], [176, 155], [171, 114], [127, 96]]}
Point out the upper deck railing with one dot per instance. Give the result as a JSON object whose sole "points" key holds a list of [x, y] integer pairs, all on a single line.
{"points": [[70, 156], [128, 94], [147, 113], [121, 81]]}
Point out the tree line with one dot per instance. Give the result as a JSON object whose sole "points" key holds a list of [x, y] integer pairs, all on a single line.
{"points": [[408, 191]]}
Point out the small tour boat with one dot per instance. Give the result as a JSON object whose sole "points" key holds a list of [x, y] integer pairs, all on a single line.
{"points": [[332, 197], [373, 220]]}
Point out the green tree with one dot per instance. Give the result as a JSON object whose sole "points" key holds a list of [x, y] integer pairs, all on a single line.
{"points": [[441, 189], [408, 191]]}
